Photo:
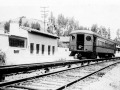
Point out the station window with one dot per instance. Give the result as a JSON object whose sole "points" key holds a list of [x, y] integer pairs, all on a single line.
{"points": [[43, 48], [53, 49], [48, 49], [37, 48], [31, 48], [16, 42]]}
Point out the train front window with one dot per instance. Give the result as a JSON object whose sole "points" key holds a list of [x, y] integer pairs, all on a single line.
{"points": [[80, 41]]}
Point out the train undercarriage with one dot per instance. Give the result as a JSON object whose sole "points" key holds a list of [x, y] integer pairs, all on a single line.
{"points": [[90, 55]]}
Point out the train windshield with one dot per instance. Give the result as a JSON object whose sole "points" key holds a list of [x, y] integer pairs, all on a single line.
{"points": [[80, 41]]}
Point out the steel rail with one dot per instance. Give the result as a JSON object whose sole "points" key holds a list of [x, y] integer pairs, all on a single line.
{"points": [[27, 67], [25, 79], [71, 83]]}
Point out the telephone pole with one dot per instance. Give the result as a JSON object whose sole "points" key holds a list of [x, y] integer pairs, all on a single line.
{"points": [[44, 15]]}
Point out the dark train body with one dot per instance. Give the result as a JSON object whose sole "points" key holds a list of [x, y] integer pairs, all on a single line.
{"points": [[85, 43]]}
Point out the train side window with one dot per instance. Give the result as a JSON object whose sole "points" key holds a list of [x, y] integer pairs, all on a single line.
{"points": [[43, 48], [88, 38], [73, 37], [31, 48], [48, 49], [37, 48]]}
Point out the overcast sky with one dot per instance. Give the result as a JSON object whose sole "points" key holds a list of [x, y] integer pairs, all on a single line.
{"points": [[87, 12]]}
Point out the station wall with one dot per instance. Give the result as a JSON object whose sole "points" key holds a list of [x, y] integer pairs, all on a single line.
{"points": [[42, 40]]}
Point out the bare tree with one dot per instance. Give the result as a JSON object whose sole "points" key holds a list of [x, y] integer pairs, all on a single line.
{"points": [[35, 26], [52, 19], [94, 28], [62, 21], [59, 32], [26, 24], [51, 24], [20, 21], [63, 25], [7, 26], [109, 34], [118, 33]]}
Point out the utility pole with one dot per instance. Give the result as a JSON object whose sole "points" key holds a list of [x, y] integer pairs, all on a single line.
{"points": [[44, 15]]}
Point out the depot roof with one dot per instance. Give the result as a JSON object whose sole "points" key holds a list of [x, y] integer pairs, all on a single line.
{"points": [[39, 32]]}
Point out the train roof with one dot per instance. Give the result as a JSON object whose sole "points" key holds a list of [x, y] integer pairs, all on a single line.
{"points": [[89, 32], [82, 31]]}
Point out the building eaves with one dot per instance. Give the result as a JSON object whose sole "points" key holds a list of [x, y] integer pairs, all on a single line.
{"points": [[39, 32]]}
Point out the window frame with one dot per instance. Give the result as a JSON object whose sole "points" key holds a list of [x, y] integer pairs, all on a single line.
{"points": [[18, 42], [53, 50], [43, 48], [31, 48], [49, 49], [37, 48]]}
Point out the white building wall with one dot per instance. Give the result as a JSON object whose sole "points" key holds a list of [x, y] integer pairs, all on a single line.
{"points": [[17, 31], [24, 56], [11, 57], [3, 46], [3, 42], [14, 28], [42, 40]]}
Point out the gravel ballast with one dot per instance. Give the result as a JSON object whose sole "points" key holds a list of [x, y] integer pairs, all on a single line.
{"points": [[110, 81]]}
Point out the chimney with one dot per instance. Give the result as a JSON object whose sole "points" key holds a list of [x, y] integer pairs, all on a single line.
{"points": [[14, 28]]}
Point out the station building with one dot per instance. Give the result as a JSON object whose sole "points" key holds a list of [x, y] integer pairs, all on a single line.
{"points": [[25, 45]]}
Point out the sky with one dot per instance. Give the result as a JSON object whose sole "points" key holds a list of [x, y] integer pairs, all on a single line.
{"points": [[87, 12]]}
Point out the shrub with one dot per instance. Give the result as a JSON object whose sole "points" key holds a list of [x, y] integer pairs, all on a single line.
{"points": [[2, 57]]}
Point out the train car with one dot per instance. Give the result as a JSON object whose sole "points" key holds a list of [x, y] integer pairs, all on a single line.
{"points": [[87, 44]]}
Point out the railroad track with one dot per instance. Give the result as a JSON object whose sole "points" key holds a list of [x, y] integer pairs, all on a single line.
{"points": [[56, 80]]}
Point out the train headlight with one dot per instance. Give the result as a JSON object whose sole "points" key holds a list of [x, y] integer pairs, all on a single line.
{"points": [[80, 47]]}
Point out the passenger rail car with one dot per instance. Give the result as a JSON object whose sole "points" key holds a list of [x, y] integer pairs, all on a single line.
{"points": [[85, 43]]}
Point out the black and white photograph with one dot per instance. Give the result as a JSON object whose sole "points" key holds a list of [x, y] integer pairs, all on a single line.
{"points": [[59, 45]]}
